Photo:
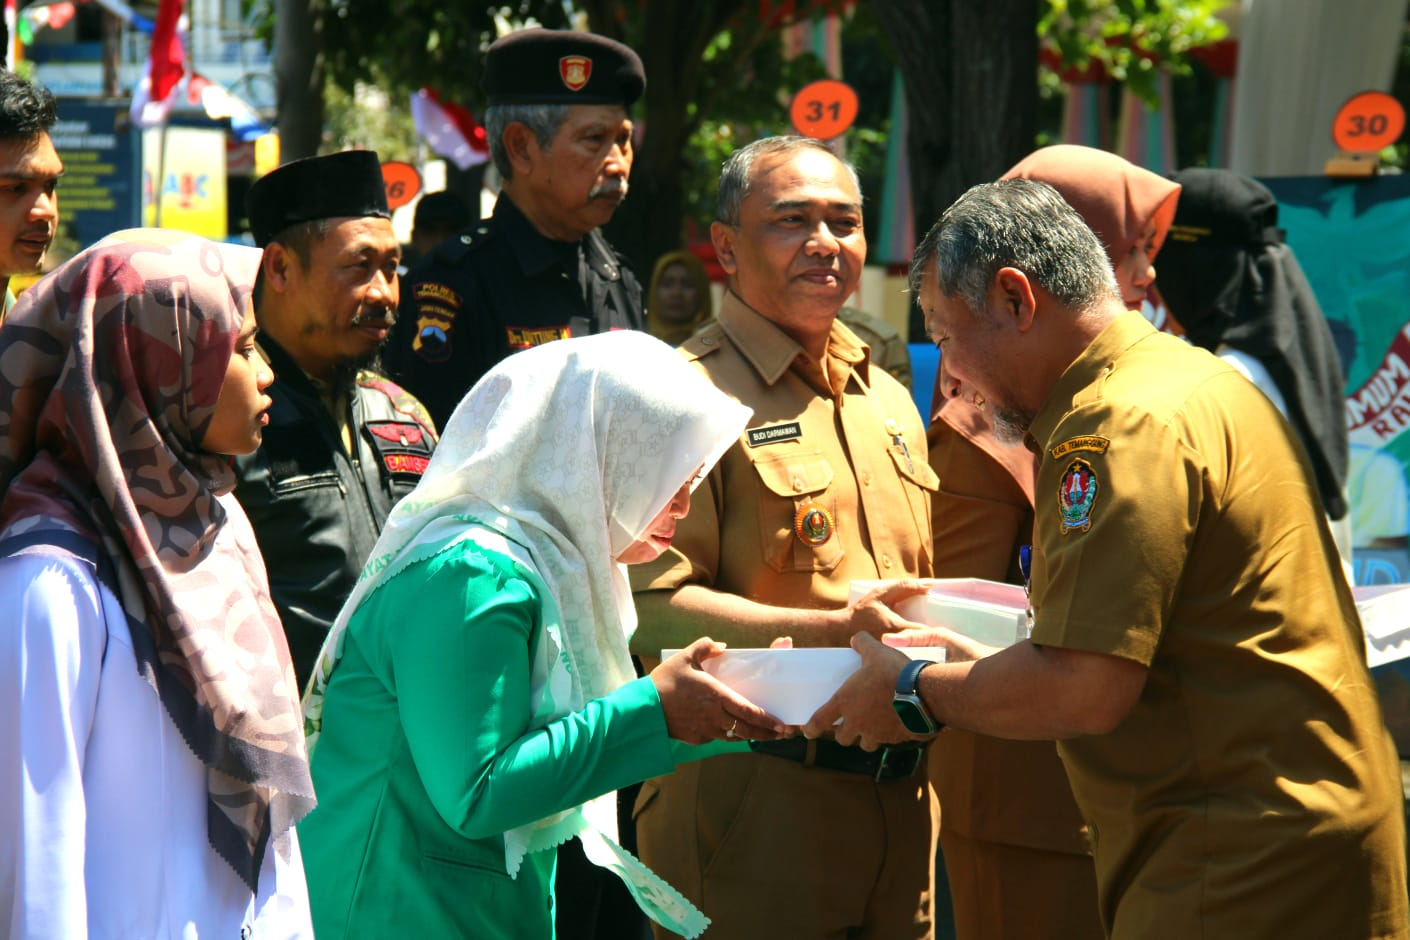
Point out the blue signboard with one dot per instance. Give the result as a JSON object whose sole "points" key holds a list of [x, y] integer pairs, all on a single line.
{"points": [[99, 193]]}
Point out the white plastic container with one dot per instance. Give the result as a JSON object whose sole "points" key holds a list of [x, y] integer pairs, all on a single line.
{"points": [[792, 684], [991, 612]]}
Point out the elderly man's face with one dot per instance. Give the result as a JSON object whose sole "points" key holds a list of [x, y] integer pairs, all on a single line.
{"points": [[972, 364], [343, 302], [798, 250], [582, 175], [29, 205]]}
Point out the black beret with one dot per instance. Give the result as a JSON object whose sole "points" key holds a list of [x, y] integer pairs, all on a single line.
{"points": [[559, 66], [341, 185], [1221, 207]]}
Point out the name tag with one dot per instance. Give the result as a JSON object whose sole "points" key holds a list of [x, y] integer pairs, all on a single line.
{"points": [[774, 434]]}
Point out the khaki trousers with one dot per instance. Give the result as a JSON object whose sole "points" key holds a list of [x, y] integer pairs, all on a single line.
{"points": [[1008, 892], [771, 849]]}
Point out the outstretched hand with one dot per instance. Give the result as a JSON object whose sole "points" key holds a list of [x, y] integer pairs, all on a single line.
{"points": [[875, 612], [701, 708], [860, 712], [958, 647]]}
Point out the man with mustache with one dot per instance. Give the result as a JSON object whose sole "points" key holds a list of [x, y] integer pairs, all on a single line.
{"points": [[343, 442], [29, 172], [829, 484], [537, 269]]}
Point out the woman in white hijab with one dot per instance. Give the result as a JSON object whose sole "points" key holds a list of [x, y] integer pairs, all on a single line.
{"points": [[475, 700]]}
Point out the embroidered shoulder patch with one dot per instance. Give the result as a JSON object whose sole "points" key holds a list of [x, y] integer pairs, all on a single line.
{"points": [[1077, 494], [436, 293], [1096, 445]]}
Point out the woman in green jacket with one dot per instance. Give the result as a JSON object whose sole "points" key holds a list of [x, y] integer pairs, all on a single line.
{"points": [[475, 703]]}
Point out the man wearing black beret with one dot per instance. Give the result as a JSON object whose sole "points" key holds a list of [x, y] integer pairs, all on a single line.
{"points": [[343, 442], [537, 269]]}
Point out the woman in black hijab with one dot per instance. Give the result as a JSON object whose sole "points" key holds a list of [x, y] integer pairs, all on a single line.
{"points": [[1236, 289]]}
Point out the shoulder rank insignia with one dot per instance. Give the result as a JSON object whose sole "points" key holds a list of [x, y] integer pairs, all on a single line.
{"points": [[1077, 493], [813, 524]]}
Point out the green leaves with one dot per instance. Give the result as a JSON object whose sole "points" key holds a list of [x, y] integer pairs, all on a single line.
{"points": [[1129, 41]]}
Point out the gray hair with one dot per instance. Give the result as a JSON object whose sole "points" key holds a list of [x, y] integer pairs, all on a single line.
{"points": [[542, 120], [1021, 224], [735, 175]]}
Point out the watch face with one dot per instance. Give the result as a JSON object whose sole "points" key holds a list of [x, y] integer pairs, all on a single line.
{"points": [[912, 717]]}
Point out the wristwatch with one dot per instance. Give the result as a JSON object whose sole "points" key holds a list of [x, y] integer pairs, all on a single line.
{"points": [[907, 702]]}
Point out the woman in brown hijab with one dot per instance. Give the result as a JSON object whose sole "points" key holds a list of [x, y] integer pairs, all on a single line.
{"points": [[678, 302], [1016, 849]]}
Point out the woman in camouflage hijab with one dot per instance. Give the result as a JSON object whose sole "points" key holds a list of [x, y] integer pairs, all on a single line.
{"points": [[126, 378]]}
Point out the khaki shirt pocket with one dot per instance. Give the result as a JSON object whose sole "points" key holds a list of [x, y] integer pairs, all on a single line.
{"points": [[792, 484], [920, 484]]}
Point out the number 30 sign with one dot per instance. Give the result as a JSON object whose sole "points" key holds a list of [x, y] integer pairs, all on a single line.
{"points": [[823, 109], [1368, 122]]}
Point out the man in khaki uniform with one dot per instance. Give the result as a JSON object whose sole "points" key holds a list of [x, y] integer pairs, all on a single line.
{"points": [[1016, 854], [1196, 650], [829, 484]]}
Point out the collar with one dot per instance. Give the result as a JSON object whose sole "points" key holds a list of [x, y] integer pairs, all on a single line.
{"points": [[535, 253], [1120, 334], [772, 352]]}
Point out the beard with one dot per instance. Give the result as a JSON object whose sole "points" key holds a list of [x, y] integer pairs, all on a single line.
{"points": [[1010, 424]]}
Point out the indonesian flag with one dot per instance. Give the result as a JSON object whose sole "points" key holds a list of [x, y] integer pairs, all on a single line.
{"points": [[153, 98], [220, 104], [449, 129], [12, 37]]}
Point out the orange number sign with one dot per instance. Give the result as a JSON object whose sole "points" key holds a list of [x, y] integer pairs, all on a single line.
{"points": [[823, 109], [403, 183], [1368, 122]]}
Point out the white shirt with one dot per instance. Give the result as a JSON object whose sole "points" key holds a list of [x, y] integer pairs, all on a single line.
{"points": [[102, 805]]}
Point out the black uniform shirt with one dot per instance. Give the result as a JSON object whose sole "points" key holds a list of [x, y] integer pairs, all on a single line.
{"points": [[496, 288]]}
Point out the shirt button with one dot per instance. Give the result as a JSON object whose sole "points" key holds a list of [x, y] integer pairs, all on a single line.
{"points": [[797, 484], [708, 341], [886, 561], [466, 239], [866, 479]]}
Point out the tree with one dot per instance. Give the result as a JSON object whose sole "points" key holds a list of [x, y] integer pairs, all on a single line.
{"points": [[970, 69], [299, 76], [701, 59]]}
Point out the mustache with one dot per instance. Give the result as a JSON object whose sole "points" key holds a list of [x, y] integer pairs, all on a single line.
{"points": [[611, 187], [382, 316]]}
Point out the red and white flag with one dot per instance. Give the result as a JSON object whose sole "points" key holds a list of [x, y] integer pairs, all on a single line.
{"points": [[449, 129], [152, 99], [12, 38]]}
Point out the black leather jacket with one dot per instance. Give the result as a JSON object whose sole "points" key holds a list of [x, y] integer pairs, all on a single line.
{"points": [[316, 510]]}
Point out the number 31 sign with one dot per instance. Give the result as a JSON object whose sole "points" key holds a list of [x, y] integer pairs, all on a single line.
{"points": [[823, 109]]}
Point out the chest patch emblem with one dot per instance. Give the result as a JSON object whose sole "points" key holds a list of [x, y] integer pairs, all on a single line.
{"points": [[774, 434], [1077, 494], [813, 524]]}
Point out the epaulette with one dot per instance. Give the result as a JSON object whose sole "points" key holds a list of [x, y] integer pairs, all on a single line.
{"points": [[402, 400], [453, 249]]}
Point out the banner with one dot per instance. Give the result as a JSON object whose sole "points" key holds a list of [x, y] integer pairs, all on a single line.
{"points": [[1349, 237]]}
